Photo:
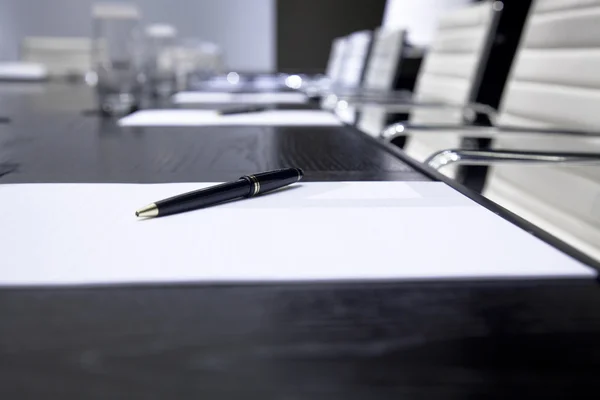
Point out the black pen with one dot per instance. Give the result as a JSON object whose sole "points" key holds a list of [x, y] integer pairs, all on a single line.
{"points": [[242, 110], [246, 186]]}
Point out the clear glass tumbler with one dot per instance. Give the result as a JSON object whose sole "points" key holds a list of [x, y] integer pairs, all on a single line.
{"points": [[117, 57], [160, 59], [197, 61]]}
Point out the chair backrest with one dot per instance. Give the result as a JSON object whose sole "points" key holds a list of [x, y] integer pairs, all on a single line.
{"points": [[62, 56], [336, 58], [354, 59], [452, 71], [197, 58], [380, 73], [352, 65], [554, 82]]}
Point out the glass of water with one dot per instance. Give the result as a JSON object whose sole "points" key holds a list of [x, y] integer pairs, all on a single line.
{"points": [[117, 57], [160, 59]]}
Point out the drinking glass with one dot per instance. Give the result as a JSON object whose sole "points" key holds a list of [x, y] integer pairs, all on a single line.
{"points": [[160, 59], [117, 57], [197, 61]]}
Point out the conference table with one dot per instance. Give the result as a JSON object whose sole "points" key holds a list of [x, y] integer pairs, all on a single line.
{"points": [[450, 339]]}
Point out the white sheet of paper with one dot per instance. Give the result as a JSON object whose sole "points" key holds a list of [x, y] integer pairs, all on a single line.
{"points": [[63, 234], [259, 83], [268, 83], [243, 98], [222, 83], [209, 117], [22, 71]]}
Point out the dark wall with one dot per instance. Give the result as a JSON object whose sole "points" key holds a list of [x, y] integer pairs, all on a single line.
{"points": [[305, 29]]}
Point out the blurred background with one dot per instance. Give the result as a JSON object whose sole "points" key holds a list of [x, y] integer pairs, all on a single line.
{"points": [[254, 35]]}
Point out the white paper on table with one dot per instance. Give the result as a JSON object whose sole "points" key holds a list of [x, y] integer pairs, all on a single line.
{"points": [[222, 83], [210, 117], [268, 82], [63, 234], [240, 98], [22, 71]]}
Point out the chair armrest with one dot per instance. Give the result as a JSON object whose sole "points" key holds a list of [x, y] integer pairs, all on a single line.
{"points": [[482, 132], [406, 105], [487, 157], [374, 95], [341, 100]]}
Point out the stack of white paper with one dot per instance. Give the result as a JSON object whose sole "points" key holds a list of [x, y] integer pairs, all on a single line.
{"points": [[88, 234], [209, 117], [240, 98]]}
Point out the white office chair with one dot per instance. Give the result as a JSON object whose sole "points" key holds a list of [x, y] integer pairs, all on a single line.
{"points": [[62, 56], [380, 73], [354, 60], [449, 79], [336, 58], [447, 84], [551, 105], [321, 85], [350, 73]]}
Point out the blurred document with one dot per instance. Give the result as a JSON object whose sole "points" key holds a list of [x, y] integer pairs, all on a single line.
{"points": [[210, 117], [240, 98], [22, 71], [71, 234]]}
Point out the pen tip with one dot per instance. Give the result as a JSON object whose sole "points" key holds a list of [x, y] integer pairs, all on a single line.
{"points": [[150, 210]]}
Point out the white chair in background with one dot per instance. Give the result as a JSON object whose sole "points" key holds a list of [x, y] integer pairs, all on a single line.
{"points": [[381, 71], [448, 81], [354, 60], [322, 84], [350, 72], [336, 58], [452, 73], [62, 56], [549, 114]]}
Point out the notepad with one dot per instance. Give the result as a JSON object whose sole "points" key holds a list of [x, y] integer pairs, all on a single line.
{"points": [[240, 98], [210, 117], [73, 234]]}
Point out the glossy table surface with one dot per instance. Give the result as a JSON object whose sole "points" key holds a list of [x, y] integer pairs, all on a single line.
{"points": [[410, 340], [50, 142]]}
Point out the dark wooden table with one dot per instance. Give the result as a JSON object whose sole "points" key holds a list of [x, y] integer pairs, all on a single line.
{"points": [[409, 340]]}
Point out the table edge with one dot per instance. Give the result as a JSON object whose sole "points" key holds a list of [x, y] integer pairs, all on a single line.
{"points": [[483, 201]]}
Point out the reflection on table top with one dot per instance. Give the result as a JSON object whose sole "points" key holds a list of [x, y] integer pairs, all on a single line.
{"points": [[48, 142]]}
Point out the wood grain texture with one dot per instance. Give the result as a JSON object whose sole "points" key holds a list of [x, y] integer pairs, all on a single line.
{"points": [[362, 341], [50, 142], [410, 340]]}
